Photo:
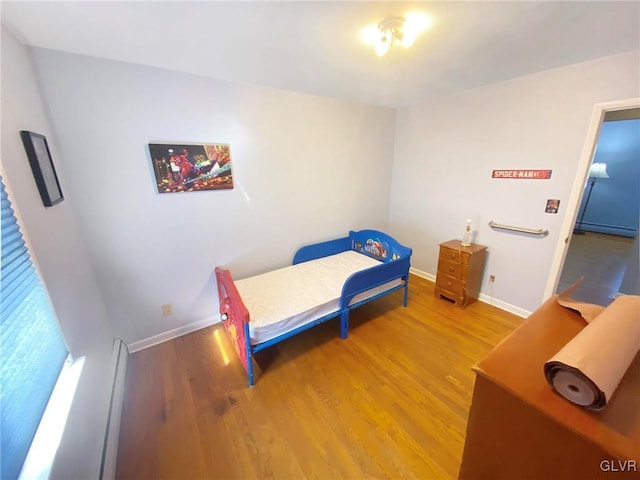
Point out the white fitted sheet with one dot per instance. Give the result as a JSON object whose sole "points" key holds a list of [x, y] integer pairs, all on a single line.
{"points": [[282, 300]]}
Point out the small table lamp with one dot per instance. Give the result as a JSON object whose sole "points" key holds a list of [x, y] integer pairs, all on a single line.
{"points": [[466, 237]]}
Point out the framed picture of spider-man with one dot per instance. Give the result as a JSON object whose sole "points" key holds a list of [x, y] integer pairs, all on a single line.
{"points": [[182, 167]]}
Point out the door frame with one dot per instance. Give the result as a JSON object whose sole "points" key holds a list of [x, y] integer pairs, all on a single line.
{"points": [[582, 175]]}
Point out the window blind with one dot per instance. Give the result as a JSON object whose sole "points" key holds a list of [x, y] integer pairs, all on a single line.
{"points": [[32, 350]]}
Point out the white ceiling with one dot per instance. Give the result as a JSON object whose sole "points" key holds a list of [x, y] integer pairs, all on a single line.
{"points": [[314, 47]]}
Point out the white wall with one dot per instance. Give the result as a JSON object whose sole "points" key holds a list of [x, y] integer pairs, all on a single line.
{"points": [[305, 169], [446, 150], [59, 252]]}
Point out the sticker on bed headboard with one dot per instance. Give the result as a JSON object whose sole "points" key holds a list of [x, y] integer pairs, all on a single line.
{"points": [[374, 247]]}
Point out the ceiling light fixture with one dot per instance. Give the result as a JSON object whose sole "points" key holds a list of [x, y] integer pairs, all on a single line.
{"points": [[395, 31]]}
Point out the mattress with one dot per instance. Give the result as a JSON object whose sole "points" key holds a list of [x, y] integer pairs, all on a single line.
{"points": [[282, 300]]}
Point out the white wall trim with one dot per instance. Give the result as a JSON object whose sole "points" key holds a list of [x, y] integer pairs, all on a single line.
{"points": [[507, 307], [171, 334], [422, 274], [582, 173], [118, 372]]}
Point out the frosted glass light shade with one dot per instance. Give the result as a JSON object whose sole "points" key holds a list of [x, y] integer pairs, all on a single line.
{"points": [[598, 170], [383, 44], [395, 31]]}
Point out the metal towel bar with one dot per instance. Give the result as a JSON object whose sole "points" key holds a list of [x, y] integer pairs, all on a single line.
{"points": [[542, 232]]}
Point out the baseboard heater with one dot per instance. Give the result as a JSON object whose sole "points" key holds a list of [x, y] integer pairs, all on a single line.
{"points": [[118, 373]]}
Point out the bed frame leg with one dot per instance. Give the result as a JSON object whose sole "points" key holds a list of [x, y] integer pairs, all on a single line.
{"points": [[406, 291], [250, 370], [247, 346], [344, 324]]}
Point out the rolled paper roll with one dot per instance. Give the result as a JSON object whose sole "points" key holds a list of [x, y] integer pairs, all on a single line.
{"points": [[575, 387], [588, 369]]}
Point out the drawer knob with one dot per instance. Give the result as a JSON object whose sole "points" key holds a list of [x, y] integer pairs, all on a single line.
{"points": [[448, 284], [453, 255], [451, 269]]}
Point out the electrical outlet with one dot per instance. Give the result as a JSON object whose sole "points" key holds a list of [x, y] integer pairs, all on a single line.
{"points": [[167, 309], [492, 278]]}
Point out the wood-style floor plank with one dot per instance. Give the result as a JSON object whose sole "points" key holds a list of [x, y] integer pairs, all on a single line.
{"points": [[391, 401], [599, 259]]}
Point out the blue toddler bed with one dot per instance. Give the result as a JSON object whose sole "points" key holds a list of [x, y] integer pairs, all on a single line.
{"points": [[326, 280]]}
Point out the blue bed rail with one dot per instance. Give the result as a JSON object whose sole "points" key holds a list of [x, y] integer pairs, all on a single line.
{"points": [[373, 277], [320, 250]]}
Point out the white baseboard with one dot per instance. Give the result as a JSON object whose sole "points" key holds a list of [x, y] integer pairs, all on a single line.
{"points": [[171, 334], [421, 274], [507, 307], [118, 374]]}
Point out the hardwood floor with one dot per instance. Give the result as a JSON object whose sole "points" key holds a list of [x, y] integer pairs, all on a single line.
{"points": [[390, 401], [601, 259]]}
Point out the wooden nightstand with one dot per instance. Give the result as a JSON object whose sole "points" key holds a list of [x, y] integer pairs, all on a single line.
{"points": [[460, 272]]}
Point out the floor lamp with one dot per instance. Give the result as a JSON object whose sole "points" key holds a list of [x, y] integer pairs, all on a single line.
{"points": [[597, 170]]}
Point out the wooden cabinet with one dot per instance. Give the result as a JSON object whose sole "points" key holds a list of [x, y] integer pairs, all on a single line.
{"points": [[519, 427], [460, 271]]}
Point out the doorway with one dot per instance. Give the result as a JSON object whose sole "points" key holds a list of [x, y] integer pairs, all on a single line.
{"points": [[600, 250], [601, 256]]}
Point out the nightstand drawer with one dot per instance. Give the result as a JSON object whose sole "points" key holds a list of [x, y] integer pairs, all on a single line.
{"points": [[453, 269], [454, 255], [454, 285]]}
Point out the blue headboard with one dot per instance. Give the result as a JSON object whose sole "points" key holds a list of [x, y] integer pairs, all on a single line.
{"points": [[378, 245]]}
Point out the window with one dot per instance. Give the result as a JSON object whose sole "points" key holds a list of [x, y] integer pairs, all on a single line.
{"points": [[32, 350]]}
